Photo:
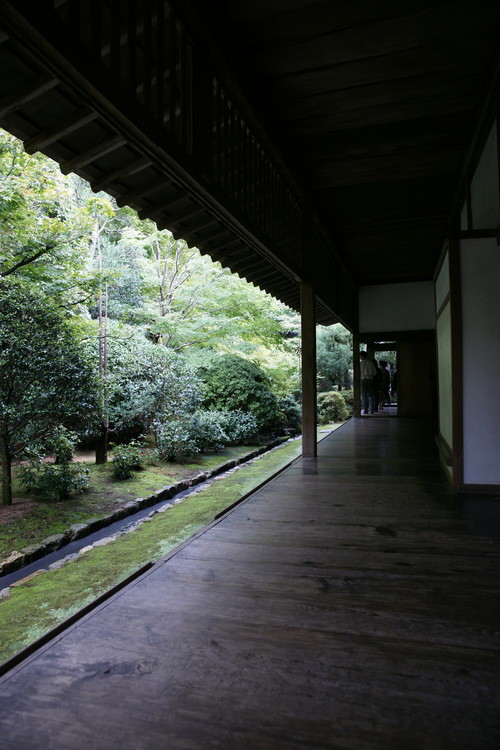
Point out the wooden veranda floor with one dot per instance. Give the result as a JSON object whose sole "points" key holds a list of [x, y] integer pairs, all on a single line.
{"points": [[351, 603]]}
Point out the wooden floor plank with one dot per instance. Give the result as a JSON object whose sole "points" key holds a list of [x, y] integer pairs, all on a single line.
{"points": [[351, 603]]}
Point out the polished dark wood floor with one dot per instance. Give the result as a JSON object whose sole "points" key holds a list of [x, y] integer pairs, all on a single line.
{"points": [[351, 603]]}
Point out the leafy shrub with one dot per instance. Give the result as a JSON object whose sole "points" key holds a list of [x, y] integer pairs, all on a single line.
{"points": [[239, 426], [334, 357], [233, 383], [127, 458], [144, 382], [61, 443], [292, 415], [175, 440], [207, 430], [348, 397], [331, 408], [55, 481]]}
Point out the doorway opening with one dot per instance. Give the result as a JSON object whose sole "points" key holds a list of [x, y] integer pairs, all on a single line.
{"points": [[411, 361], [385, 356]]}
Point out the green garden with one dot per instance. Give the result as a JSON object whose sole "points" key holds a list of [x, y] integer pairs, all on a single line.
{"points": [[129, 361]]}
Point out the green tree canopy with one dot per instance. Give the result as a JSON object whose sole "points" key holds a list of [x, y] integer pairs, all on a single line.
{"points": [[44, 226], [140, 304], [334, 357], [142, 381], [45, 380]]}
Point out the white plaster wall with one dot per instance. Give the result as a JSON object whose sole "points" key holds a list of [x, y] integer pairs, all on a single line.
{"points": [[397, 307], [480, 272]]}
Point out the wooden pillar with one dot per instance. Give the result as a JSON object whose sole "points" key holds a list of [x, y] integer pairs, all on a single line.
{"points": [[308, 329], [456, 364], [356, 379]]}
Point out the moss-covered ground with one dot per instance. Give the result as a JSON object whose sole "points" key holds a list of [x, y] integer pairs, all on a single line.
{"points": [[37, 605], [31, 519]]}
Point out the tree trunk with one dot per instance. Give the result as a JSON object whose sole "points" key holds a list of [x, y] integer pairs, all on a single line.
{"points": [[101, 448], [6, 473]]}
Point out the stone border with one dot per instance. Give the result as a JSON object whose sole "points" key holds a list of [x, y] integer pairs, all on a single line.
{"points": [[32, 552]]}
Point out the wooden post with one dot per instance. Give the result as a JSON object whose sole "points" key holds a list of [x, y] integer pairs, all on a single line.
{"points": [[356, 380], [456, 365], [308, 329]]}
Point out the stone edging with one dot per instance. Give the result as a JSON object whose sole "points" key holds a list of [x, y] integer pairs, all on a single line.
{"points": [[32, 552]]}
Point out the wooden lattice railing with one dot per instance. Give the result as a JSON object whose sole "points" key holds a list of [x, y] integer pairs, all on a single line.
{"points": [[144, 48]]}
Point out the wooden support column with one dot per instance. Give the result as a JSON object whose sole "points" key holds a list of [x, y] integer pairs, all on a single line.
{"points": [[357, 382], [308, 329], [456, 364]]}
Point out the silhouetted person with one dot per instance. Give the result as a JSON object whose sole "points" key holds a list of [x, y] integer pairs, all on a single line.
{"points": [[394, 385], [368, 372], [385, 381]]}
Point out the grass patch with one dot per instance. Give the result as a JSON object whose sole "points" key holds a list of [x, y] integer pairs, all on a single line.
{"points": [[39, 604]]}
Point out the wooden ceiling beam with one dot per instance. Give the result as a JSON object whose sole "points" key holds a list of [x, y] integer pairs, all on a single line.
{"points": [[282, 287], [267, 277], [127, 170], [154, 210], [235, 240], [28, 91], [141, 191], [79, 73], [176, 221], [209, 230], [194, 235], [414, 28], [92, 154], [50, 135], [254, 267]]}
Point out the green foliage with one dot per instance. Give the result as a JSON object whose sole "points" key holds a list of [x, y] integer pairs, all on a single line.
{"points": [[58, 480], [292, 415], [231, 382], [54, 482], [334, 357], [190, 300], [207, 430], [203, 430], [348, 396], [154, 296], [282, 367], [44, 379], [61, 442], [43, 229], [331, 408], [240, 427], [127, 458], [175, 440], [144, 383]]}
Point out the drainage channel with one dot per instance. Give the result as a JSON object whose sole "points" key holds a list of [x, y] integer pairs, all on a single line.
{"points": [[117, 528], [73, 548]]}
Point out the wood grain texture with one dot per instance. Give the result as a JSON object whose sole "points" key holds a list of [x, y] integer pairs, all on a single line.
{"points": [[350, 603]]}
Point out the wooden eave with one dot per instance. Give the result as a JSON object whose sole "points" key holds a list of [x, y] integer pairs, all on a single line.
{"points": [[353, 119]]}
